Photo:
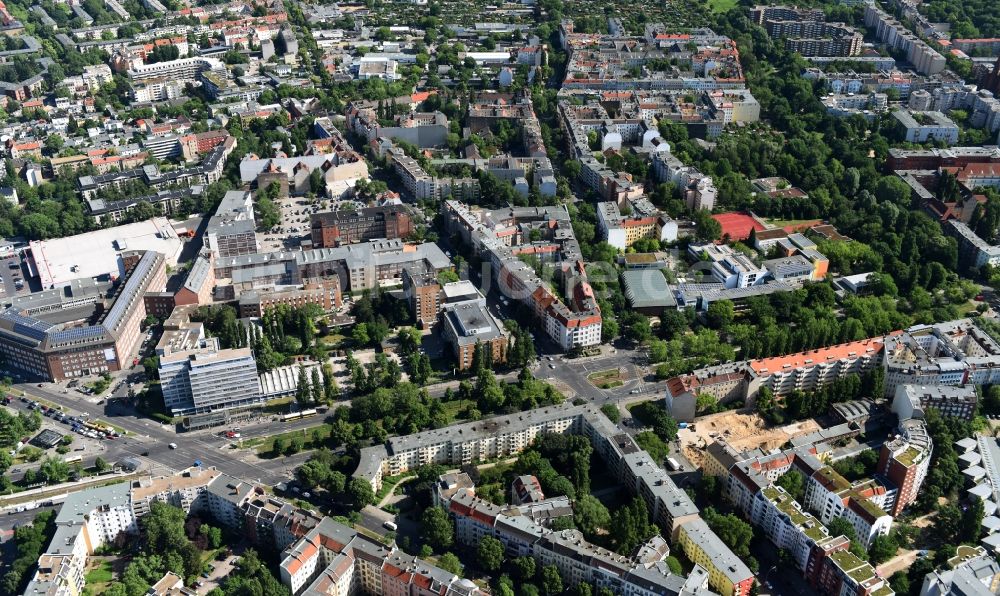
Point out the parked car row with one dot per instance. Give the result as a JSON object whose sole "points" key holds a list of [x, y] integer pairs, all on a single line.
{"points": [[76, 423]]}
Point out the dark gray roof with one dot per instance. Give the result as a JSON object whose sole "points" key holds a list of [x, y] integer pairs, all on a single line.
{"points": [[647, 288]]}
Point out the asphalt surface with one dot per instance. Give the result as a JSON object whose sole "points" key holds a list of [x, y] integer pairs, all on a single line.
{"points": [[17, 519], [153, 439], [150, 441]]}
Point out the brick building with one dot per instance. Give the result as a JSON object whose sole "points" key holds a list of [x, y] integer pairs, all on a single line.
{"points": [[346, 227], [324, 293]]}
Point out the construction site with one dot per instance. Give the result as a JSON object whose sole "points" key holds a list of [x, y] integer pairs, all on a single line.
{"points": [[741, 430]]}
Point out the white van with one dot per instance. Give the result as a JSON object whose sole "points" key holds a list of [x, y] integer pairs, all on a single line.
{"points": [[172, 445], [390, 526]]}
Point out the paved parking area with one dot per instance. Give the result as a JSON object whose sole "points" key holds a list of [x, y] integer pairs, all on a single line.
{"points": [[12, 272], [296, 214], [83, 447], [221, 570]]}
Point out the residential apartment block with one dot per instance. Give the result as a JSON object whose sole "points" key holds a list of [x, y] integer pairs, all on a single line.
{"points": [[921, 127], [332, 558], [504, 436], [622, 232], [500, 236], [697, 189], [973, 251], [912, 401], [806, 31], [894, 34], [726, 571], [951, 353], [577, 560], [805, 371], [904, 461], [232, 231], [87, 520]]}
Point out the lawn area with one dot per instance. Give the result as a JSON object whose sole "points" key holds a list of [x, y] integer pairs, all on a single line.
{"points": [[718, 6], [98, 577], [606, 379], [278, 406], [266, 446], [454, 408], [389, 484], [968, 307], [784, 223], [333, 340]]}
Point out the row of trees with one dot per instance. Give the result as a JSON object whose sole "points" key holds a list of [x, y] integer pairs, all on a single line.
{"points": [[315, 388], [799, 405], [29, 540], [285, 331]]}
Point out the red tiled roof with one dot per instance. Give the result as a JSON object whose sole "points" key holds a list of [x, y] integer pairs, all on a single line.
{"points": [[865, 347]]}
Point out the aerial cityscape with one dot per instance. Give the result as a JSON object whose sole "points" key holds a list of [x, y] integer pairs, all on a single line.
{"points": [[530, 298]]}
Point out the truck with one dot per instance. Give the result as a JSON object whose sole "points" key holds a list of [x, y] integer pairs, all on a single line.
{"points": [[672, 464]]}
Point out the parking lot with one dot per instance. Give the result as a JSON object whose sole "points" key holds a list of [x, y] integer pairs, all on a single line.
{"points": [[294, 226], [12, 280], [63, 422], [295, 221], [85, 445]]}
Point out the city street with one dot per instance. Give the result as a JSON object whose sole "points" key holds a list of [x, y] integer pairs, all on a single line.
{"points": [[150, 441], [153, 439]]}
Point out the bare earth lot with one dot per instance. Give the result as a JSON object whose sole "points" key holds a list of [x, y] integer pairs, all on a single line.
{"points": [[742, 431]]}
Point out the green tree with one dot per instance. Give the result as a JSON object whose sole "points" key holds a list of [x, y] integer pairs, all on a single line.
{"points": [[839, 526], [303, 391], [525, 567], [882, 549], [437, 528], [720, 314], [611, 411], [54, 470], [630, 525], [316, 385], [449, 562], [590, 515], [793, 482], [360, 492], [706, 227], [948, 523], [733, 531], [331, 391], [551, 580], [490, 553], [101, 466], [212, 534], [163, 528], [972, 522]]}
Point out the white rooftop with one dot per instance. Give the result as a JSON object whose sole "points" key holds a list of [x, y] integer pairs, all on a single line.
{"points": [[459, 289], [60, 261]]}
